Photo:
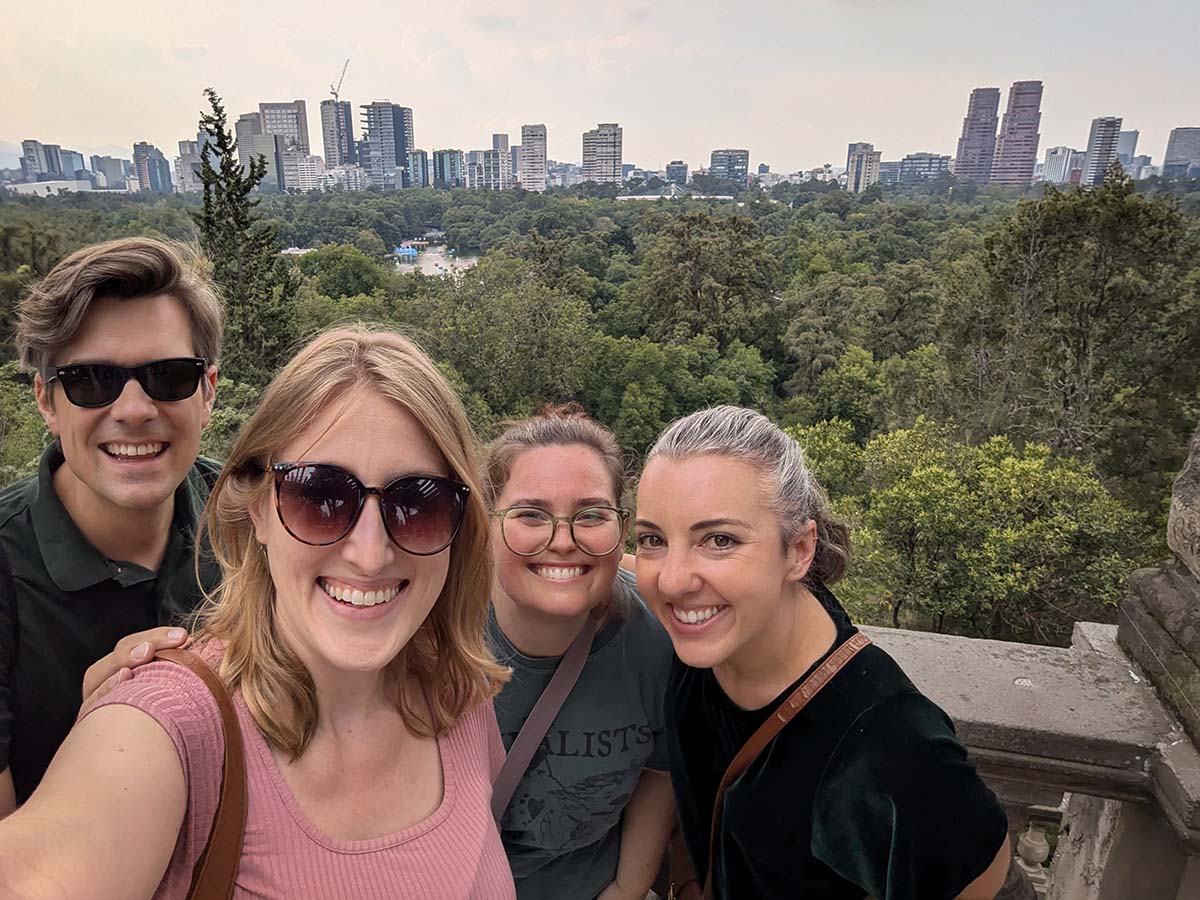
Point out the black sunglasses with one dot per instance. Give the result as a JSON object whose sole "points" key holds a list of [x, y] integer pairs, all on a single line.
{"points": [[93, 385], [319, 503]]}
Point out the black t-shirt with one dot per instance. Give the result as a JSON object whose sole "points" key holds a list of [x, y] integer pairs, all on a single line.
{"points": [[866, 792]]}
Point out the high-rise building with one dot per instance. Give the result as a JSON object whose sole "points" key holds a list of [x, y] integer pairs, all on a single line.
{"points": [[271, 147], [889, 172], [857, 147], [290, 120], [448, 169], [73, 167], [1058, 164], [113, 170], [389, 131], [913, 168], [310, 173], [1127, 147], [337, 133], [730, 165], [1183, 152], [602, 153], [1101, 149], [244, 129], [153, 170], [496, 170], [862, 168], [33, 160], [187, 168], [418, 168], [500, 142], [1017, 144], [533, 157], [977, 145], [677, 172], [1137, 167]]}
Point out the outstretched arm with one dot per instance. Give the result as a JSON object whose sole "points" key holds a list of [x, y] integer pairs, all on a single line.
{"points": [[104, 821], [646, 824]]}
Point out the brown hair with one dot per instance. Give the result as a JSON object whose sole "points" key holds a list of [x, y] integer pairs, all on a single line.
{"points": [[555, 426], [795, 494], [447, 654], [50, 315]]}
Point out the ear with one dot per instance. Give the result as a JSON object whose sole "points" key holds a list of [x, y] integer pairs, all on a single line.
{"points": [[45, 403], [209, 386], [259, 511], [800, 552]]}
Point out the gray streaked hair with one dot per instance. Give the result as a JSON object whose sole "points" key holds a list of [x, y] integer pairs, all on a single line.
{"points": [[795, 494]]}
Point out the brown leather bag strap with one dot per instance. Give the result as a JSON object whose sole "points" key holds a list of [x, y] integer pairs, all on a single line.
{"points": [[216, 869], [768, 731]]}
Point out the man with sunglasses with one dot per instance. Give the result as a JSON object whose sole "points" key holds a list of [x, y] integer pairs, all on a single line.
{"points": [[123, 340]]}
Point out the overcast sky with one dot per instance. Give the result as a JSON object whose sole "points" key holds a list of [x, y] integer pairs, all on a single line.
{"points": [[793, 81]]}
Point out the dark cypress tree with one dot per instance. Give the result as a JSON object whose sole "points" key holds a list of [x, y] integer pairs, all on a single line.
{"points": [[256, 282]]}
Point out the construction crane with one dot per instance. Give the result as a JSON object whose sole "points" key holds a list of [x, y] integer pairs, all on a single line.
{"points": [[335, 90]]}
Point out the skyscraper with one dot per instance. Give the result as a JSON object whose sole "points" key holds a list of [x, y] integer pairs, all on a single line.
{"points": [[337, 133], [1017, 144], [677, 172], [290, 120], [244, 130], [1127, 147], [1058, 164], [448, 169], [389, 130], [500, 142], [1101, 149], [153, 170], [418, 168], [72, 164], [977, 145], [497, 170], [1183, 152], [33, 160], [862, 168], [730, 165], [112, 169], [271, 147], [533, 157], [187, 168], [602, 154]]}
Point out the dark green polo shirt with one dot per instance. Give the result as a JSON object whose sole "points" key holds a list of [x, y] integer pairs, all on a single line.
{"points": [[67, 605]]}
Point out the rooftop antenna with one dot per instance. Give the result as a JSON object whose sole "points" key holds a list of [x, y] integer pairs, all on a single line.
{"points": [[336, 89]]}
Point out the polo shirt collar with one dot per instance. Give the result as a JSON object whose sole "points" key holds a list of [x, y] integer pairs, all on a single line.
{"points": [[72, 561]]}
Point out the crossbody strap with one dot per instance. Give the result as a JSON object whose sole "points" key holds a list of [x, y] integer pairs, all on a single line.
{"points": [[768, 731], [216, 869], [541, 717]]}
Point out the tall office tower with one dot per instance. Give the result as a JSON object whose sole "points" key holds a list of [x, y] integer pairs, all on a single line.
{"points": [[287, 119], [1183, 152], [533, 157], [500, 142], [857, 147], [33, 160], [418, 168], [515, 153], [271, 147], [72, 164], [1017, 144], [730, 165], [602, 154], [922, 167], [112, 169], [187, 168], [889, 172], [1127, 147], [337, 133], [54, 160], [677, 172], [1101, 149], [310, 173], [448, 169], [977, 145], [862, 169], [153, 170], [496, 171], [1057, 168], [389, 130], [244, 130]]}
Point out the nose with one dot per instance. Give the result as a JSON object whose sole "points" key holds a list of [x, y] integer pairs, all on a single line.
{"points": [[677, 576], [133, 406], [560, 539], [368, 547]]}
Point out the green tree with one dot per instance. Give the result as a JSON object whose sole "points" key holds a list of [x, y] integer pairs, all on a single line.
{"points": [[255, 281]]}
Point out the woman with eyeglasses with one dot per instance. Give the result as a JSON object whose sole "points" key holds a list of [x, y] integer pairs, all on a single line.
{"points": [[349, 628], [590, 814]]}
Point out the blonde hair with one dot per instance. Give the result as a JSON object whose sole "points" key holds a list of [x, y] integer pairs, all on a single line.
{"points": [[795, 494], [51, 314], [447, 655]]}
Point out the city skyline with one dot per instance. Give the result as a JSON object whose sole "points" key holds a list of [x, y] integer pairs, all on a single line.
{"points": [[679, 81]]}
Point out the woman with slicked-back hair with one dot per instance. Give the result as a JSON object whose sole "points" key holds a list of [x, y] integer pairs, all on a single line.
{"points": [[804, 762]]}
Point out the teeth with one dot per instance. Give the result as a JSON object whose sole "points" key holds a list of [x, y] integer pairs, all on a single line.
{"points": [[360, 598], [558, 573], [132, 450], [695, 616]]}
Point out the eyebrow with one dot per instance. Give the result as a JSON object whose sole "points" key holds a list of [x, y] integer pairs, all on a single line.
{"points": [[581, 502], [699, 526]]}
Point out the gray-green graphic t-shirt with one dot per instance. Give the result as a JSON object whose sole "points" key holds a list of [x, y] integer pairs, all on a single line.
{"points": [[562, 829]]}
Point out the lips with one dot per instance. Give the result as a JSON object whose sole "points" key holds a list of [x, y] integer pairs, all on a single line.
{"points": [[134, 450], [558, 573], [352, 596]]}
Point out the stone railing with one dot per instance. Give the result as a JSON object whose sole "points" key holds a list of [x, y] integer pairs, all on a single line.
{"points": [[1100, 738]]}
